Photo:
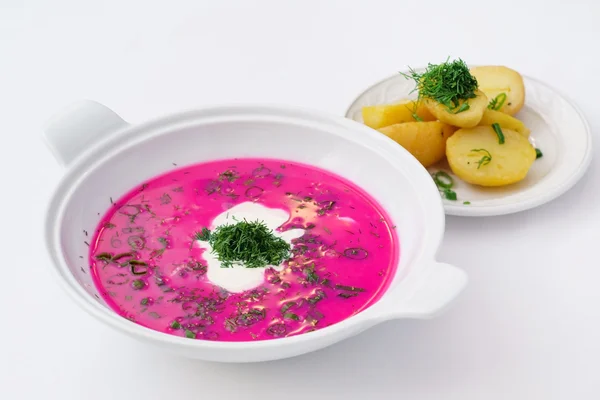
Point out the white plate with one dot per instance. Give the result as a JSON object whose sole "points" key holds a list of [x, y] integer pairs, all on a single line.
{"points": [[558, 129]]}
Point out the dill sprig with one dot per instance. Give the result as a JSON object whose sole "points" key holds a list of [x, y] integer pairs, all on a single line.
{"points": [[447, 83], [251, 243]]}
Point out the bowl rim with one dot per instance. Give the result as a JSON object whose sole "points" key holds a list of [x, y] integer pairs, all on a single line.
{"points": [[130, 135]]}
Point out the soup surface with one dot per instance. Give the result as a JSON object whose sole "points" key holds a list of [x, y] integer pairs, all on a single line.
{"points": [[151, 267]]}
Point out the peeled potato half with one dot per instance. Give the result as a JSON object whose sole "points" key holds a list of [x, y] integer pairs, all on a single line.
{"points": [[505, 121], [495, 80], [476, 156], [426, 141], [388, 114]]}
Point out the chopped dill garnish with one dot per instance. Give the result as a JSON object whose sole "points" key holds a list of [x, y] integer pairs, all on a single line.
{"points": [[413, 112], [252, 244], [204, 235], [447, 83]]}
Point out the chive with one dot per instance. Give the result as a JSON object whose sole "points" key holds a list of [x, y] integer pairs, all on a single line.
{"points": [[228, 175], [485, 159], [443, 180], [349, 288], [104, 257], [287, 306], [310, 274], [119, 256], [277, 330], [466, 202], [291, 316], [138, 267], [498, 131], [136, 242], [497, 102], [318, 296], [449, 194], [346, 295], [175, 325], [189, 334], [138, 284], [538, 153]]}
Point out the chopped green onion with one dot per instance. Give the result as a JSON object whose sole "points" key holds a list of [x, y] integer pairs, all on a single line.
{"points": [[189, 334], [485, 160], [443, 180], [498, 131], [138, 284], [175, 325], [538, 153], [497, 102], [291, 316], [449, 194]]}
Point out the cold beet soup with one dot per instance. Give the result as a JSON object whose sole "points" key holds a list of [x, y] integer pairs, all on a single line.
{"points": [[243, 250]]}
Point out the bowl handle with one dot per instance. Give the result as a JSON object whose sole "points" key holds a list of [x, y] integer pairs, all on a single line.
{"points": [[425, 295], [77, 127]]}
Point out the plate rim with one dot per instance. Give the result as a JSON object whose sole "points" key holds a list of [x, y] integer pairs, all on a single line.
{"points": [[565, 185]]}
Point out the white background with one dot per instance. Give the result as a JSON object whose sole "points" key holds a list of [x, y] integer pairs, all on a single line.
{"points": [[527, 326]]}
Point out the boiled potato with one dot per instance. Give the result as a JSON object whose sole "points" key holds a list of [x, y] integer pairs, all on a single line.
{"points": [[389, 114], [463, 119], [426, 141], [494, 80], [476, 156], [505, 121]]}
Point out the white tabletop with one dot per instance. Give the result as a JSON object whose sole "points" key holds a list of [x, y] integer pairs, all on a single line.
{"points": [[527, 326]]}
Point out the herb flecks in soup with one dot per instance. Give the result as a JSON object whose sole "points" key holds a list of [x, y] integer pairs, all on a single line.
{"points": [[242, 250]]}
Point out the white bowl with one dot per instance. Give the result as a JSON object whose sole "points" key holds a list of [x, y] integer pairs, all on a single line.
{"points": [[105, 157]]}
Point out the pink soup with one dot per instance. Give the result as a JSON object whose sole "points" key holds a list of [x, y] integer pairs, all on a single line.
{"points": [[149, 267]]}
